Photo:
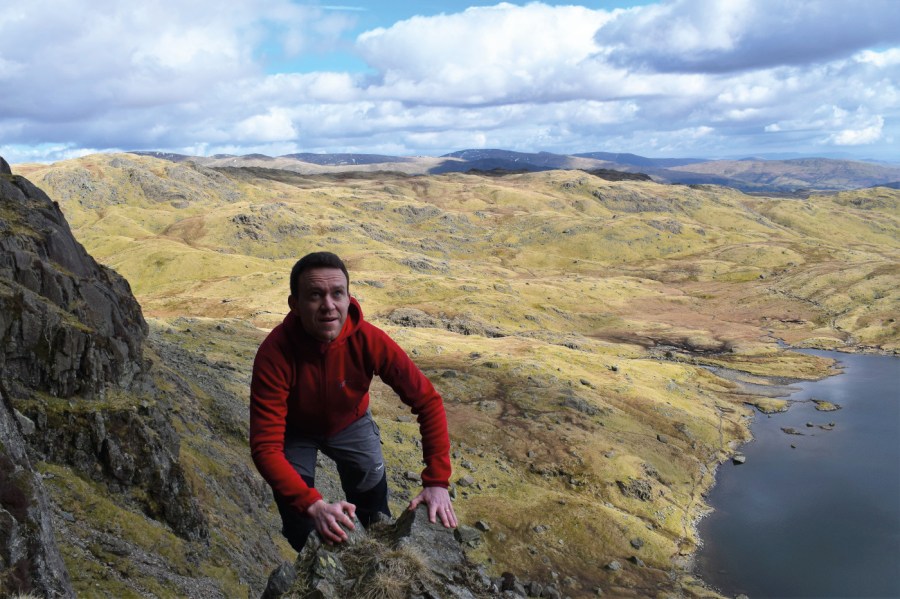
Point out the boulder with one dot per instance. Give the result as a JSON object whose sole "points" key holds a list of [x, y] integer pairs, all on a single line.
{"points": [[412, 556], [466, 481], [436, 544], [467, 535], [636, 488], [280, 581]]}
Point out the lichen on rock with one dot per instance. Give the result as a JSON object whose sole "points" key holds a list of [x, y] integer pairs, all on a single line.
{"points": [[409, 557]]}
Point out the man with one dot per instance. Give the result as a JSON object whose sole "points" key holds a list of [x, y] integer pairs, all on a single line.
{"points": [[310, 393]]}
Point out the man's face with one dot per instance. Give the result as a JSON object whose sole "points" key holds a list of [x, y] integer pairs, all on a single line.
{"points": [[322, 302]]}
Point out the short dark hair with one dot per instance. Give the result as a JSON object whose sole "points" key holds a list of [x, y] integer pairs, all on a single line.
{"points": [[316, 260]]}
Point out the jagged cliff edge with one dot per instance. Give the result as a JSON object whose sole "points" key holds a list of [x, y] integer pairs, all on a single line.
{"points": [[71, 333]]}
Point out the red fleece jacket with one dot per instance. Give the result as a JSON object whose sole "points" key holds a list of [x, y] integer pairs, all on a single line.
{"points": [[318, 389]]}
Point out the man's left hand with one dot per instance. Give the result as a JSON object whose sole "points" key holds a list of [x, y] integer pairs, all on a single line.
{"points": [[438, 501]]}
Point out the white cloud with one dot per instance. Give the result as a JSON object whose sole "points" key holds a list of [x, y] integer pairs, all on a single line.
{"points": [[886, 58], [483, 55], [719, 36], [92, 57], [866, 133], [276, 125], [17, 154], [690, 77]]}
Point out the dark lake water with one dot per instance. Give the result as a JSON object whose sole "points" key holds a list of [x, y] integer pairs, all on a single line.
{"points": [[823, 519]]}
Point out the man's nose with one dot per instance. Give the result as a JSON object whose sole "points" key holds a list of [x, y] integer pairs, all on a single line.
{"points": [[327, 303]]}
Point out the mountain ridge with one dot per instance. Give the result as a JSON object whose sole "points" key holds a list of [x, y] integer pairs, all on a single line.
{"points": [[794, 175]]}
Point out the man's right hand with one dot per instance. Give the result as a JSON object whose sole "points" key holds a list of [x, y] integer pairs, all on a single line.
{"points": [[330, 519]]}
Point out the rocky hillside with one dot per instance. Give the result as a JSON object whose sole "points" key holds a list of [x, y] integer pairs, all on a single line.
{"points": [[798, 176], [92, 428], [69, 325], [571, 322], [30, 561]]}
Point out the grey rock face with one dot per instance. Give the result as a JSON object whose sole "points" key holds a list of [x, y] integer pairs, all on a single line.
{"points": [[437, 544], [125, 449], [411, 556], [636, 488], [68, 325], [70, 328], [30, 561], [280, 581], [464, 325]]}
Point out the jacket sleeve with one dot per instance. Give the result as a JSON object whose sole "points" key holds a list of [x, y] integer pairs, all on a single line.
{"points": [[269, 390], [415, 390]]}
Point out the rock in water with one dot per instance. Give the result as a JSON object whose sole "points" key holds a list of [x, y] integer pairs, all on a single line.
{"points": [[787, 430], [825, 406]]}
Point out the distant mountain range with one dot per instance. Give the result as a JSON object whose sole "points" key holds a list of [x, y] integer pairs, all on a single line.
{"points": [[793, 176]]}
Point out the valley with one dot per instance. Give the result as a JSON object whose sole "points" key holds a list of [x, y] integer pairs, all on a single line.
{"points": [[567, 320]]}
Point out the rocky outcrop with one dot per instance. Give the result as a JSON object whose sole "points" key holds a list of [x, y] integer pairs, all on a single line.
{"points": [[413, 317], [29, 558], [67, 324], [409, 558], [71, 330], [127, 449]]}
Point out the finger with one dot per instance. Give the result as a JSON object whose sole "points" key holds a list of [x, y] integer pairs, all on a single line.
{"points": [[350, 510], [329, 536], [448, 518], [432, 513], [415, 502], [346, 521], [339, 533]]}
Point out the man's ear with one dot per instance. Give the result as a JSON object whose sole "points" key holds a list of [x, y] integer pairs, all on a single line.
{"points": [[292, 302]]}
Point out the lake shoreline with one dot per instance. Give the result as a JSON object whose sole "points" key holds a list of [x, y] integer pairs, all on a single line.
{"points": [[774, 387], [771, 434]]}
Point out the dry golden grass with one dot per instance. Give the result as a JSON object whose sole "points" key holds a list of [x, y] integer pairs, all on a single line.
{"points": [[610, 298], [392, 573]]}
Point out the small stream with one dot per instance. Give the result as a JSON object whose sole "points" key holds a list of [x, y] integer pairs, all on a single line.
{"points": [[814, 514]]}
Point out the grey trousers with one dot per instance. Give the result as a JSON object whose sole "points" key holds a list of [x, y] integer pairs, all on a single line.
{"points": [[356, 451]]}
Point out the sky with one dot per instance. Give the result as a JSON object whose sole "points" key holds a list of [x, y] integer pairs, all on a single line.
{"points": [[666, 78]]}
